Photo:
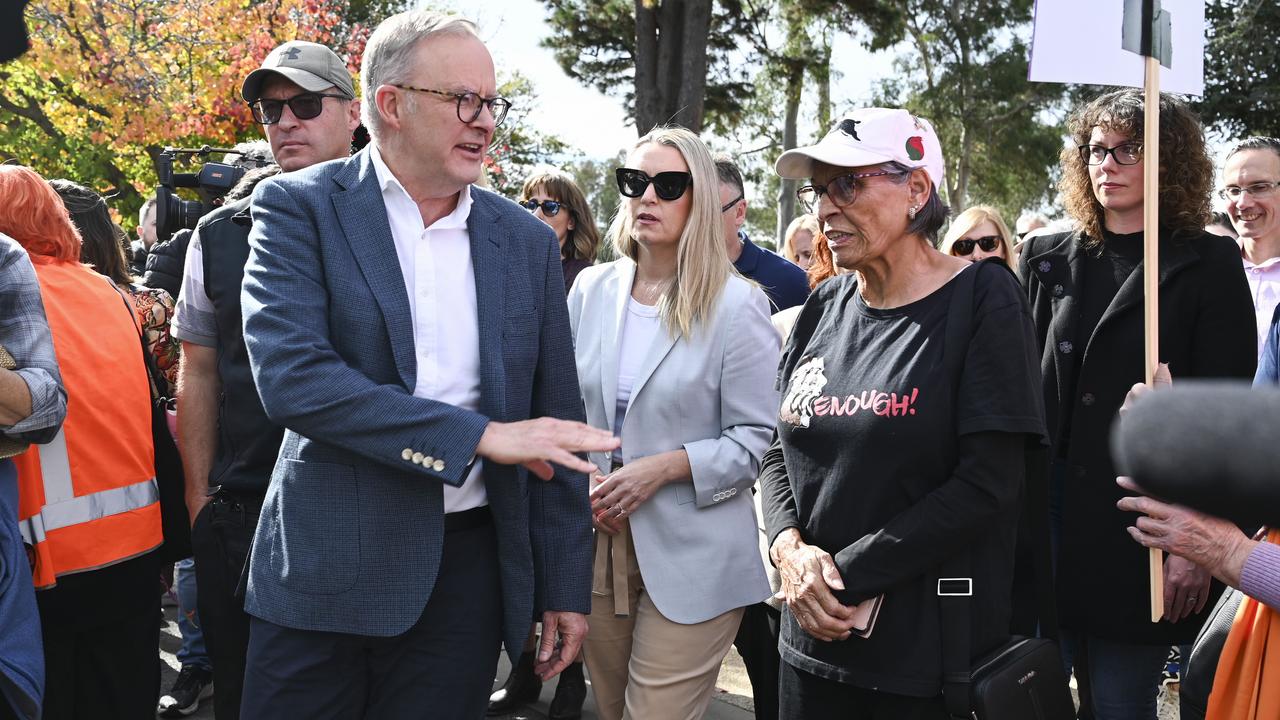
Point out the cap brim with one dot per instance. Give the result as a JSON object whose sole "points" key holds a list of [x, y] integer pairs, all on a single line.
{"points": [[797, 164], [252, 88]]}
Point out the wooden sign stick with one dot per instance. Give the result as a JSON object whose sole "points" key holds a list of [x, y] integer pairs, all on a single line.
{"points": [[1151, 273]]}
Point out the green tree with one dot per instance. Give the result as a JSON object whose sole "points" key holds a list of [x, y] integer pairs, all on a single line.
{"points": [[1241, 58], [517, 147]]}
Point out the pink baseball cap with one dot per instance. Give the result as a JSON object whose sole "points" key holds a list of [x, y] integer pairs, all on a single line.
{"points": [[870, 136]]}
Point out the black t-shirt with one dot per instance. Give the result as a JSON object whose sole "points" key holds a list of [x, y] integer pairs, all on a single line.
{"points": [[869, 431]]}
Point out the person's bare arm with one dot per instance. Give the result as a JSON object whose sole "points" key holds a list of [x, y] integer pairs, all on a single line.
{"points": [[15, 398], [198, 389]]}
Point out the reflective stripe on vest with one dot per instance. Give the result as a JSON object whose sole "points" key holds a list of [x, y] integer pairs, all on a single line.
{"points": [[88, 499]]}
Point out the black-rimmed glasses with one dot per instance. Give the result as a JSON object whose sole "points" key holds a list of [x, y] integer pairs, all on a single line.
{"points": [[725, 208], [668, 185], [842, 189], [304, 106], [470, 104], [550, 208], [1261, 189], [965, 246], [1126, 153]]}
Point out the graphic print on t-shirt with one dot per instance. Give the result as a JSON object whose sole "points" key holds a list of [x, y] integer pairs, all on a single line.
{"points": [[807, 383]]}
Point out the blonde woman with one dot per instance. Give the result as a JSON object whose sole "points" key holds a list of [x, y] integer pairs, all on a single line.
{"points": [[979, 233], [669, 341], [555, 199], [799, 241]]}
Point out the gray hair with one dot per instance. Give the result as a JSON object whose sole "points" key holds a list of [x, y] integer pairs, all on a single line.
{"points": [[1257, 142], [933, 215], [388, 56], [728, 172], [251, 154]]}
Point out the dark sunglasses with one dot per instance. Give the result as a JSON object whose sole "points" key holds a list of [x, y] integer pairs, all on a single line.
{"points": [[965, 246], [668, 185], [550, 208], [304, 106]]}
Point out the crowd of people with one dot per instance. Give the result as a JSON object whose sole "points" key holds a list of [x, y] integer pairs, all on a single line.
{"points": [[417, 422]]}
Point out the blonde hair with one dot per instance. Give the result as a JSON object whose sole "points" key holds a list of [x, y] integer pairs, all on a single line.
{"points": [[802, 222], [972, 218], [702, 263], [584, 239]]}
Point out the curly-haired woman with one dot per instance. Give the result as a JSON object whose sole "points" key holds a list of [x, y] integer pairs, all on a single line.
{"points": [[1086, 293]]}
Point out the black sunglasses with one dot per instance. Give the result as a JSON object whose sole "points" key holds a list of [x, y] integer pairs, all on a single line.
{"points": [[965, 246], [668, 185], [304, 106], [550, 208]]}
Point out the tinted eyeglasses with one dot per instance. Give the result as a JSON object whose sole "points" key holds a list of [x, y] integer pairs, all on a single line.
{"points": [[1129, 153], [550, 208], [304, 106], [842, 189], [668, 185], [965, 246]]}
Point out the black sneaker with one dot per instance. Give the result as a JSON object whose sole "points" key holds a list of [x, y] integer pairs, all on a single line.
{"points": [[193, 685]]}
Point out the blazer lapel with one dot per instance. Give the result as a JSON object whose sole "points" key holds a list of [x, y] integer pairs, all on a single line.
{"points": [[1175, 254], [363, 216], [489, 265], [662, 344], [611, 321]]}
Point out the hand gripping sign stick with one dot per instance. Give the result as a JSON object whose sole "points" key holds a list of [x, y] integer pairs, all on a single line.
{"points": [[1148, 31]]}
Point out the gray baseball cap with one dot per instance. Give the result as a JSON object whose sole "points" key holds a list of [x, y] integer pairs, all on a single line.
{"points": [[306, 64]]}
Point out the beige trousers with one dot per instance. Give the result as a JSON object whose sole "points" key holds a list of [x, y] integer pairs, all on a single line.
{"points": [[642, 665]]}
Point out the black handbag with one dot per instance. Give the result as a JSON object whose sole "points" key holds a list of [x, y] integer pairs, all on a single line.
{"points": [[1023, 678]]}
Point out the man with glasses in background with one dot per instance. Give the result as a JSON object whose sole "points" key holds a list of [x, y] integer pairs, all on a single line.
{"points": [[409, 330], [304, 99], [1250, 178], [783, 282]]}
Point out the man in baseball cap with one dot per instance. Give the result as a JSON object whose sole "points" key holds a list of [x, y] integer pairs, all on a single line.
{"points": [[303, 98], [870, 136]]}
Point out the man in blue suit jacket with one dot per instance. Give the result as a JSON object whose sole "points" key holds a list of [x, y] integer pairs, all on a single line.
{"points": [[404, 326]]}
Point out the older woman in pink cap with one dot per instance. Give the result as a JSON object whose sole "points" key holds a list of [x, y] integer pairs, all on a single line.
{"points": [[910, 397]]}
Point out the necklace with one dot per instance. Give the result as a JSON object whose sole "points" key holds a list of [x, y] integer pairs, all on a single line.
{"points": [[647, 292]]}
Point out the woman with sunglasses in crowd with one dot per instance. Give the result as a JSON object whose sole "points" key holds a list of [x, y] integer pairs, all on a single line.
{"points": [[977, 234], [669, 343], [901, 436], [556, 199], [1086, 293]]}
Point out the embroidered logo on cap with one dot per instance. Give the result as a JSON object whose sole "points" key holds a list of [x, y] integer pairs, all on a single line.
{"points": [[915, 147], [291, 53], [849, 127]]}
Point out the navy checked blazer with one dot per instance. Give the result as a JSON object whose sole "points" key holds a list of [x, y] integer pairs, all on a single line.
{"points": [[351, 530]]}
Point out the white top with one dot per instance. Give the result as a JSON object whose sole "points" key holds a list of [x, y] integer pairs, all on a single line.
{"points": [[1264, 284], [640, 325], [441, 283]]}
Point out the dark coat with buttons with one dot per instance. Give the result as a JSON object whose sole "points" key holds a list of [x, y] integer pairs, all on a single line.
{"points": [[1206, 331]]}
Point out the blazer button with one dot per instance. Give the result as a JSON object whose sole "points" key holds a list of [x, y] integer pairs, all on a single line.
{"points": [[417, 458], [438, 465], [407, 454], [1087, 399], [428, 461]]}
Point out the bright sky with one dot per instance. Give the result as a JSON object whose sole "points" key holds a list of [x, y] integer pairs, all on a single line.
{"points": [[595, 123]]}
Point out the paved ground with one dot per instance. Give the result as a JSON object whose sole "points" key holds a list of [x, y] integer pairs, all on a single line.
{"points": [[732, 700]]}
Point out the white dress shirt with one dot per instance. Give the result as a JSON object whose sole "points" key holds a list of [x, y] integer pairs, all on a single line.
{"points": [[1264, 284], [441, 282]]}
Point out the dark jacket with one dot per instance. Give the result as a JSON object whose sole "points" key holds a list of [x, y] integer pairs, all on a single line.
{"points": [[248, 442], [165, 262], [1206, 330], [138, 258], [783, 282]]}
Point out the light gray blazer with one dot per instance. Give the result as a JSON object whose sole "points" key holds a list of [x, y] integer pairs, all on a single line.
{"points": [[711, 394]]}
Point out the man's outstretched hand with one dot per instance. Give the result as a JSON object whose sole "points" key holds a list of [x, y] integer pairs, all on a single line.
{"points": [[539, 442]]}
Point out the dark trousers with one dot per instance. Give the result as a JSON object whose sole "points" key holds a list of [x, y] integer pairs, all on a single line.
{"points": [[803, 696], [757, 643], [440, 668], [220, 541], [101, 632]]}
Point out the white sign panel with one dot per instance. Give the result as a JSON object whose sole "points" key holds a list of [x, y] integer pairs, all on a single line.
{"points": [[1078, 41]]}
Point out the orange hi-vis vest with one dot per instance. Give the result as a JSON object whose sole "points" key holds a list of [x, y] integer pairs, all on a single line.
{"points": [[88, 499]]}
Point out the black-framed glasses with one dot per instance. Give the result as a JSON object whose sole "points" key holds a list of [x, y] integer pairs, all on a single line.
{"points": [[470, 104], [304, 106], [668, 185], [731, 203], [1256, 190], [842, 189], [550, 208], [1126, 153], [965, 246]]}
